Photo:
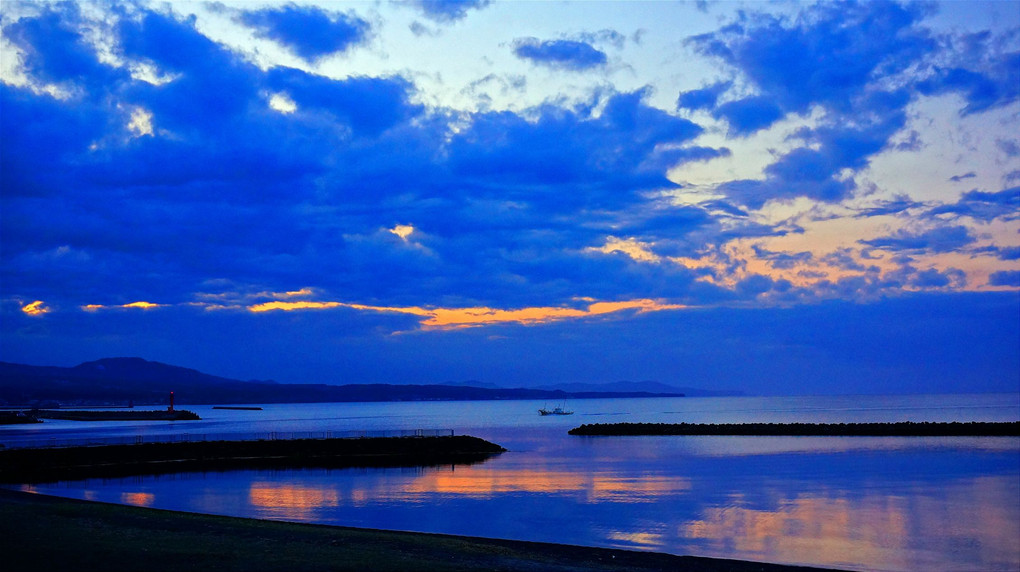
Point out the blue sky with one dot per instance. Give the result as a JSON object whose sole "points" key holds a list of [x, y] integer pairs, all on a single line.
{"points": [[774, 197]]}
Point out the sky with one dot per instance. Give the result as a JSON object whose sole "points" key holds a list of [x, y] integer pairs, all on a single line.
{"points": [[769, 197]]}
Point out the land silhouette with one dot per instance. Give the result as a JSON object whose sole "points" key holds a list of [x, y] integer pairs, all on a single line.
{"points": [[122, 381]]}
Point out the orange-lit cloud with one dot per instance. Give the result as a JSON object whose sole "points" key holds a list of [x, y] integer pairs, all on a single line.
{"points": [[479, 316], [288, 306], [139, 304], [402, 230], [36, 308]]}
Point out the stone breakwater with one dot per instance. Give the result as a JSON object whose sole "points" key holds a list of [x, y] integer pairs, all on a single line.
{"points": [[48, 465], [902, 429]]}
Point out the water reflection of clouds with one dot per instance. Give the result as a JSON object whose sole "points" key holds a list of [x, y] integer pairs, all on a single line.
{"points": [[292, 501], [725, 446], [137, 498], [843, 529], [595, 487]]}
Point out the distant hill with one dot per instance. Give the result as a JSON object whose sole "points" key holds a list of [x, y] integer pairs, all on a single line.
{"points": [[646, 386], [118, 381]]}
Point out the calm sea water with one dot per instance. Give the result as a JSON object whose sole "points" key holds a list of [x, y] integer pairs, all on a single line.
{"points": [[858, 503]]}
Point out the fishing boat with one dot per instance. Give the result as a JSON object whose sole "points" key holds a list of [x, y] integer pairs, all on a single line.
{"points": [[555, 411]]}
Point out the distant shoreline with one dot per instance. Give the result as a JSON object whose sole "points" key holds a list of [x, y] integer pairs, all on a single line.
{"points": [[113, 538], [901, 429]]}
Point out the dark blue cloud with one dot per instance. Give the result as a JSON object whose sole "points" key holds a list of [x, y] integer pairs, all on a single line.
{"points": [[783, 260], [844, 258], [984, 206], [55, 52], [368, 105], [967, 175], [884, 208], [561, 54], [748, 115], [446, 11], [1008, 253], [832, 56], [704, 98], [829, 55], [941, 239], [310, 32], [1005, 278], [982, 74], [933, 278], [228, 188]]}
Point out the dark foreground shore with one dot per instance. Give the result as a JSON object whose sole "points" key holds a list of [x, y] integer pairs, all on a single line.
{"points": [[39, 532]]}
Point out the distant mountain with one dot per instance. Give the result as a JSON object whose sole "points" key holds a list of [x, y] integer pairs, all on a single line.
{"points": [[646, 386], [123, 380]]}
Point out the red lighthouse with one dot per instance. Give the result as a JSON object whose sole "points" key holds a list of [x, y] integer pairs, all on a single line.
{"points": [[171, 408]]}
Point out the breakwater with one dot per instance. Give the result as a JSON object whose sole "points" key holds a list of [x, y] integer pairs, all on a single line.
{"points": [[109, 415], [901, 429], [48, 465]]}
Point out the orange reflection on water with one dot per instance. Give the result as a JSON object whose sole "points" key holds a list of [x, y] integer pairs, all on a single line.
{"points": [[289, 501], [840, 529], [646, 540], [820, 530], [605, 488], [483, 483], [488, 481], [137, 499]]}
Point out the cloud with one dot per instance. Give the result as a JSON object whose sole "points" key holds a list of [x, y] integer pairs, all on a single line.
{"points": [[448, 11], [984, 206], [986, 76], [1009, 147], [36, 308], [934, 278], [784, 260], [941, 239], [368, 105], [230, 185], [829, 55], [1008, 253], [54, 51], [1009, 278], [704, 98], [967, 175], [898, 205], [445, 318], [309, 32], [560, 54], [748, 115], [606, 36]]}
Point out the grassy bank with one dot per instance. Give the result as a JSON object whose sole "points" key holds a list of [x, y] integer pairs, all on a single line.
{"points": [[39, 532], [904, 429], [44, 465]]}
